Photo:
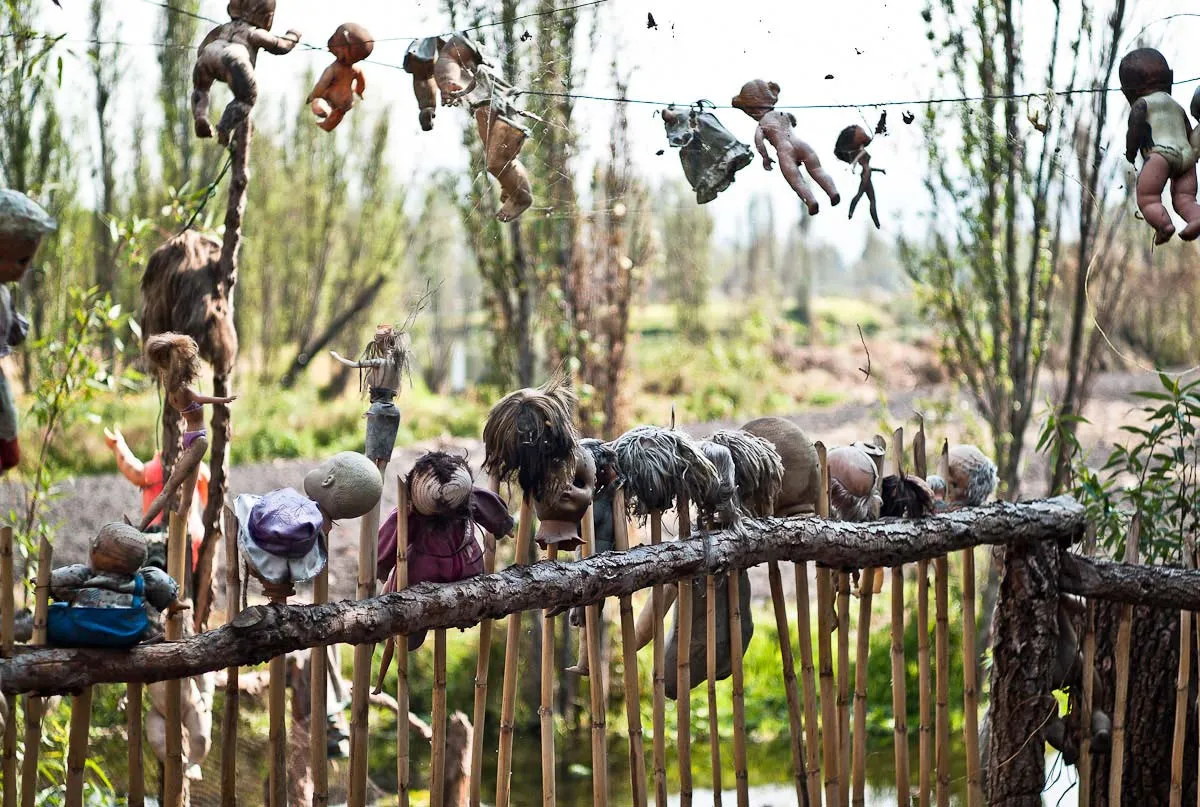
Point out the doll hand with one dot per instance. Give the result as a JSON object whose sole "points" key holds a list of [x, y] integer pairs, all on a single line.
{"points": [[292, 35], [767, 163], [113, 438]]}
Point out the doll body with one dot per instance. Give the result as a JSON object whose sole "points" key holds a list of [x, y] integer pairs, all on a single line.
{"points": [[333, 95], [1160, 131], [228, 54], [757, 99], [851, 148]]}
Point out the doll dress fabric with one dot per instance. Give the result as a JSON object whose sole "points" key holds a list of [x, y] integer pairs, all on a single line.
{"points": [[712, 157], [279, 534]]}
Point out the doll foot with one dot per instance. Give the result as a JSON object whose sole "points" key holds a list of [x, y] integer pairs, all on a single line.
{"points": [[835, 200], [1191, 232], [222, 136], [1163, 235], [426, 118], [515, 205], [814, 209], [203, 128]]}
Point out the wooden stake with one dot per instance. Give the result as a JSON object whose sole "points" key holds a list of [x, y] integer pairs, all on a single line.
{"points": [[546, 712], [683, 667], [403, 754], [808, 675], [658, 601], [633, 697], [482, 666], [970, 661], [229, 718], [596, 679], [714, 726], [177, 554], [1117, 762], [34, 705], [843, 685], [277, 731], [437, 764], [740, 767], [942, 649], [133, 728], [899, 698], [788, 665], [1181, 707], [825, 612], [512, 658], [77, 750], [8, 749], [1085, 742], [866, 594]]}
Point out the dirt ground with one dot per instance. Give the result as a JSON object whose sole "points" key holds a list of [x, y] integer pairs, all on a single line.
{"points": [[88, 502]]}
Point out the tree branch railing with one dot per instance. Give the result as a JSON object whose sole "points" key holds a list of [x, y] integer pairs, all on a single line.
{"points": [[266, 631]]}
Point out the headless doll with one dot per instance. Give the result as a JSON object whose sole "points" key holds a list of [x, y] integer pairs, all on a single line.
{"points": [[228, 54], [333, 95]]}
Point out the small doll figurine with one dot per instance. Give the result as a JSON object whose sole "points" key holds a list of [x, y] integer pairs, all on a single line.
{"points": [[757, 99], [23, 224], [333, 95], [175, 358], [710, 154], [383, 365], [462, 75], [228, 54], [1159, 129], [851, 148]]}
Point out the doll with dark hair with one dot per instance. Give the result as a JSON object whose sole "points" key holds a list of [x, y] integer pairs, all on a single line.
{"points": [[851, 148], [333, 95], [530, 435]]}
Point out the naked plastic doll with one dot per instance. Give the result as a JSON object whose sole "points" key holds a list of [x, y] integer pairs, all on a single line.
{"points": [[757, 99], [175, 359], [228, 54], [333, 95], [851, 148], [1160, 131], [383, 364], [462, 75]]}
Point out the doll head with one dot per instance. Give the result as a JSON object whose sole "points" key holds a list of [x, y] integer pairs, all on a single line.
{"points": [[347, 485], [175, 358], [279, 535], [757, 98], [23, 223], [559, 514], [605, 459], [118, 548], [852, 484], [259, 13], [530, 434], [720, 501], [972, 476], [1144, 71], [758, 469], [656, 465], [678, 126], [440, 484], [351, 43], [801, 483], [850, 142]]}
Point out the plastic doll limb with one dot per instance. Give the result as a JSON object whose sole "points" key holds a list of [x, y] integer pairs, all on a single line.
{"points": [[332, 120], [812, 163], [202, 81], [791, 172], [1150, 183], [187, 468], [1183, 199], [502, 144]]}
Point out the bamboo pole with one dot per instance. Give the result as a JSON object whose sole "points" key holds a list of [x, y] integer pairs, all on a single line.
{"points": [[788, 665], [970, 662], [843, 686], [596, 679], [482, 666], [683, 671], [512, 658], [714, 726], [741, 774], [437, 764], [1181, 707], [403, 754], [546, 711], [1084, 764], [866, 595], [229, 718], [942, 649], [658, 600], [177, 567], [77, 748], [277, 730], [34, 705], [8, 748], [825, 612], [1117, 763], [133, 727], [899, 698], [808, 674], [633, 697], [360, 706], [926, 745]]}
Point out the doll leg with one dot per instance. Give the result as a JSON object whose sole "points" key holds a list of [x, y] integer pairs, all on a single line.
{"points": [[320, 108], [871, 200], [502, 143], [1183, 199], [1150, 183], [335, 117], [10, 449], [202, 81], [425, 89], [791, 172], [245, 94], [187, 468]]}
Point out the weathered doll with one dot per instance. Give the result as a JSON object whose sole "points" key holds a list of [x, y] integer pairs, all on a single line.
{"points": [[853, 484], [1160, 131], [972, 477], [559, 514], [851, 148], [175, 359], [228, 54], [907, 496], [709, 153], [758, 470], [382, 365], [23, 224], [447, 509], [333, 95], [530, 435], [458, 70], [757, 99], [801, 485]]}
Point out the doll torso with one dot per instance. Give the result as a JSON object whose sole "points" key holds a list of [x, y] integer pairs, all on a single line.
{"points": [[229, 41], [777, 129], [1168, 132], [340, 93]]}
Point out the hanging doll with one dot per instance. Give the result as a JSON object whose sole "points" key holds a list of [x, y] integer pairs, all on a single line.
{"points": [[455, 66], [1160, 131], [383, 364], [333, 95], [23, 224], [447, 507], [228, 54], [757, 99], [175, 359], [709, 153], [851, 148]]}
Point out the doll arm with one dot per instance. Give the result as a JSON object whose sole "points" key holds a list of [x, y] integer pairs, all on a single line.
{"points": [[322, 86], [760, 143], [208, 399], [360, 79], [1138, 134], [128, 464], [359, 365], [278, 45]]}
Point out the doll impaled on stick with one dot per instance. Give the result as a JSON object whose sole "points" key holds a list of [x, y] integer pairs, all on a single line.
{"points": [[333, 95], [228, 54]]}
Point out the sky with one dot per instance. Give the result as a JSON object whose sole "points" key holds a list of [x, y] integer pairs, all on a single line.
{"points": [[699, 49]]}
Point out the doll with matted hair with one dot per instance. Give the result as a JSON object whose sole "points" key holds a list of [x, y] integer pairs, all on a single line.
{"points": [[333, 95], [757, 99]]}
